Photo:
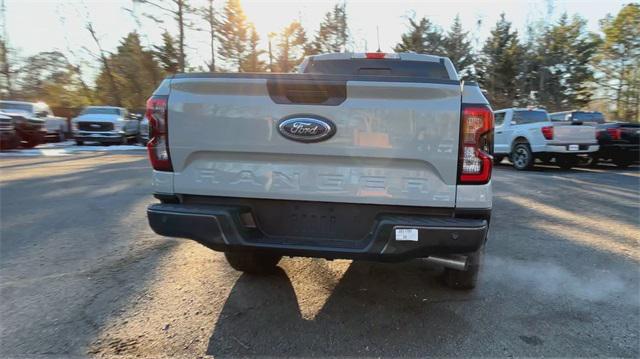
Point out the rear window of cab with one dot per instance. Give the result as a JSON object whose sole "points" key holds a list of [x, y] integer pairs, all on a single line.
{"points": [[379, 67]]}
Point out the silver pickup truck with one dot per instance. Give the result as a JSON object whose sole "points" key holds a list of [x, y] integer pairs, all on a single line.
{"points": [[359, 156], [106, 125], [527, 134]]}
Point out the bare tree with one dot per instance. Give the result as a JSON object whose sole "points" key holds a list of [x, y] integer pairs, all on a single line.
{"points": [[5, 65], [115, 92], [208, 14], [75, 68], [178, 10]]}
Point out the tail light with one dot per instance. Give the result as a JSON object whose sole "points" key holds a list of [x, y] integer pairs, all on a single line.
{"points": [[614, 133], [547, 132], [375, 55], [476, 144], [158, 146]]}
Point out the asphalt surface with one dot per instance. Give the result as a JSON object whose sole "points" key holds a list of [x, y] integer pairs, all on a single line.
{"points": [[81, 273]]}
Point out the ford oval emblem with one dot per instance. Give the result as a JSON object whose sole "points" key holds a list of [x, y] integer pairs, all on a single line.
{"points": [[306, 128]]}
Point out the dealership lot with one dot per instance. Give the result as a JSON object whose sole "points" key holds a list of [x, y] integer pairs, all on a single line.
{"points": [[81, 272]]}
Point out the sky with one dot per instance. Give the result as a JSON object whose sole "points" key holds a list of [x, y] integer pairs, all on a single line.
{"points": [[46, 25]]}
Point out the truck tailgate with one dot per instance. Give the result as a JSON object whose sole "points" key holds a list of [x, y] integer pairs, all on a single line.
{"points": [[574, 134], [395, 143]]}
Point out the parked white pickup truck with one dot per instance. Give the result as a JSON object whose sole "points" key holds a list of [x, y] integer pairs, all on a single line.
{"points": [[361, 156], [105, 124], [525, 135]]}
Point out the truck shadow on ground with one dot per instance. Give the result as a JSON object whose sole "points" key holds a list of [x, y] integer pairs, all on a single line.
{"points": [[372, 310], [375, 309]]}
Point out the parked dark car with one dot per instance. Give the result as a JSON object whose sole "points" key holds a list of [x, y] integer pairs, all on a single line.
{"points": [[619, 142], [16, 130], [9, 138]]}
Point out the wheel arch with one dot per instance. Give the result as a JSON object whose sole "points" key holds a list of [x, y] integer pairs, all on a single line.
{"points": [[520, 139]]}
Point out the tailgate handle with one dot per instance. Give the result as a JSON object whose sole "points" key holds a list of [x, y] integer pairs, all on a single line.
{"points": [[308, 92]]}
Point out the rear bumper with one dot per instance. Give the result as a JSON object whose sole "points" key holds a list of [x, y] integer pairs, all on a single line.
{"points": [[221, 228], [110, 136], [564, 148], [621, 148]]}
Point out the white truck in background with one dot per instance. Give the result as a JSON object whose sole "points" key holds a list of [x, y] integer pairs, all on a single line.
{"points": [[524, 135], [106, 125]]}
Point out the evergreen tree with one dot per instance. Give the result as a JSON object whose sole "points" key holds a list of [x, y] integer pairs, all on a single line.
{"points": [[423, 37], [564, 52], [179, 11], [233, 34], [457, 47], [252, 62], [618, 62], [134, 69], [167, 54], [528, 80], [291, 47], [333, 33], [499, 65]]}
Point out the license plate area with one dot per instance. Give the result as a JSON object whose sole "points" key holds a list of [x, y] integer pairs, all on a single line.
{"points": [[573, 147], [407, 234]]}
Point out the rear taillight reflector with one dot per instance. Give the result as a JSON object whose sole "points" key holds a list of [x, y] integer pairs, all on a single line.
{"points": [[158, 146], [614, 133], [476, 144], [547, 132], [375, 55]]}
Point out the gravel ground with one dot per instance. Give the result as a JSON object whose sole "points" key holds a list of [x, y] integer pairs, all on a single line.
{"points": [[81, 273]]}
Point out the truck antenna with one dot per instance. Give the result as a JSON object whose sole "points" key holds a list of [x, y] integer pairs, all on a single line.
{"points": [[378, 37]]}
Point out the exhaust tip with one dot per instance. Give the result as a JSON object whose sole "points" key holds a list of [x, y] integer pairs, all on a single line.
{"points": [[452, 262]]}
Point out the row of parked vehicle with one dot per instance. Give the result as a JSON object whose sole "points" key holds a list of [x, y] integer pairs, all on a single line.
{"points": [[28, 124], [568, 139], [524, 135]]}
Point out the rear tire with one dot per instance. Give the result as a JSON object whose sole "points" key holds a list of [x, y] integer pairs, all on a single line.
{"points": [[30, 142], [567, 162], [622, 162], [141, 140], [589, 161], [467, 279], [252, 262], [522, 157]]}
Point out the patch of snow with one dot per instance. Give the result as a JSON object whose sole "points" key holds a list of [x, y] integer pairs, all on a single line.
{"points": [[35, 152], [67, 148]]}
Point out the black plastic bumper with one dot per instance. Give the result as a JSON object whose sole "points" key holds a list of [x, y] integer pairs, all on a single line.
{"points": [[106, 139], [221, 228], [614, 150]]}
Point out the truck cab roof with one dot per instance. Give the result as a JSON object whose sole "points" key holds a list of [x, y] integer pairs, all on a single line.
{"points": [[520, 109], [404, 64]]}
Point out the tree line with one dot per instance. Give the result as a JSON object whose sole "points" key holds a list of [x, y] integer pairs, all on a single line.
{"points": [[558, 66]]}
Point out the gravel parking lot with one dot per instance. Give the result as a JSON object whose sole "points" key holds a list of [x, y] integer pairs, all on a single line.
{"points": [[81, 273]]}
